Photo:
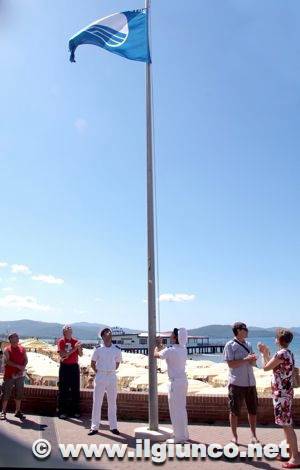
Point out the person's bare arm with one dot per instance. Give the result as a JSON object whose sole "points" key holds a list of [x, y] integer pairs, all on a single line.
{"points": [[62, 354], [78, 346], [251, 358], [159, 347], [93, 366], [272, 363], [157, 352]]}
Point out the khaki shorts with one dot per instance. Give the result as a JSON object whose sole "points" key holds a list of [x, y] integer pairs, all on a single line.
{"points": [[236, 397], [8, 386]]}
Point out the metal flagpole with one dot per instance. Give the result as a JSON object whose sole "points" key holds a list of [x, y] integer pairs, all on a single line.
{"points": [[153, 400]]}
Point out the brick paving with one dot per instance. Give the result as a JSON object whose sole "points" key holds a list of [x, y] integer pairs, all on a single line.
{"points": [[16, 439]]}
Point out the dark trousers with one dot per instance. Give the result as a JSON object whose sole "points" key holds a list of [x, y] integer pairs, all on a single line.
{"points": [[68, 389]]}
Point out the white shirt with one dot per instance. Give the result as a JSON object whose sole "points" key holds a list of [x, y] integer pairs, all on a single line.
{"points": [[106, 358], [176, 359]]}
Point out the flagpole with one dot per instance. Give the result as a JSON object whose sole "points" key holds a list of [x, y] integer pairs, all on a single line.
{"points": [[153, 399]]}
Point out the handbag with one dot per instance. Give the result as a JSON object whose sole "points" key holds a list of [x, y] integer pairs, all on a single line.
{"points": [[295, 373]]}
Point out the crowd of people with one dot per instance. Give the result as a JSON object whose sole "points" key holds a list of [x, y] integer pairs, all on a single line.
{"points": [[238, 353]]}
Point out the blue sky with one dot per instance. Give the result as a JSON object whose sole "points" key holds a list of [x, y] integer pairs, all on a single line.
{"points": [[72, 165]]}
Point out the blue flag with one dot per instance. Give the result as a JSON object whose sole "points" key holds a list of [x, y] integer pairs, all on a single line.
{"points": [[125, 34]]}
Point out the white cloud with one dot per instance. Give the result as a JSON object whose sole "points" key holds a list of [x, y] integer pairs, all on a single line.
{"points": [[22, 303], [48, 279], [176, 297], [97, 299], [81, 125], [7, 289], [3, 264], [20, 269]]}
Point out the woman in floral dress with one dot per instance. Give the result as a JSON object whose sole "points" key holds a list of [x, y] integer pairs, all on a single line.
{"points": [[282, 364]]}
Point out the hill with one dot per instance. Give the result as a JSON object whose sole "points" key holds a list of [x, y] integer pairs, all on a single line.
{"points": [[40, 329], [225, 331], [89, 331]]}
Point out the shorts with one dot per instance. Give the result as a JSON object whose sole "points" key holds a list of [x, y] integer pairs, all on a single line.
{"points": [[237, 395], [8, 386]]}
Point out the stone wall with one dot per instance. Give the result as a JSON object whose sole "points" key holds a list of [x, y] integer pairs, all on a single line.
{"points": [[133, 406]]}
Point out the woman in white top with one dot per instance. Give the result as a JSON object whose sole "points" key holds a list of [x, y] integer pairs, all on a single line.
{"points": [[175, 357]]}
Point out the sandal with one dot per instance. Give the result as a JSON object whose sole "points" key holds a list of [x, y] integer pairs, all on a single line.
{"points": [[234, 441], [254, 440], [279, 458], [291, 465]]}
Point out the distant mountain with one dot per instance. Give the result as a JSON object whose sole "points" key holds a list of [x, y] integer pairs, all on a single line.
{"points": [[225, 331], [29, 328], [89, 331], [217, 331], [99, 326]]}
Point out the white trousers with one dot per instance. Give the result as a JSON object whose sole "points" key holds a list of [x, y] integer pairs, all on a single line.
{"points": [[105, 384], [177, 408]]}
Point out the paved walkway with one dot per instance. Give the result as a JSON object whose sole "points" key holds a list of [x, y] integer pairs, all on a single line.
{"points": [[16, 440]]}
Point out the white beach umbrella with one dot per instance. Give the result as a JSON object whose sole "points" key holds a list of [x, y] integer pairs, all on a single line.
{"points": [[41, 366], [141, 383]]}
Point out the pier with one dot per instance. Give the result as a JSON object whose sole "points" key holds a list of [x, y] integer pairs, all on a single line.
{"points": [[137, 343], [191, 350]]}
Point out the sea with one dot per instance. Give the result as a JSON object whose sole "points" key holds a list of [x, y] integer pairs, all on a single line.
{"points": [[269, 341]]}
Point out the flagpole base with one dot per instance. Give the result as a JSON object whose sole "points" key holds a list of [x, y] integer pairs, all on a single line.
{"points": [[161, 435]]}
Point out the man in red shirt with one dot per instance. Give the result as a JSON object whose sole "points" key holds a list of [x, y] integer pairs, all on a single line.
{"points": [[15, 360], [69, 375]]}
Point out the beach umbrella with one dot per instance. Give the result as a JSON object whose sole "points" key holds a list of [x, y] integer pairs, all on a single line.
{"points": [[141, 383]]}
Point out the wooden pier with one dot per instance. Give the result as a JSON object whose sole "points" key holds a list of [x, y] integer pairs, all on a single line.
{"points": [[137, 343], [191, 350]]}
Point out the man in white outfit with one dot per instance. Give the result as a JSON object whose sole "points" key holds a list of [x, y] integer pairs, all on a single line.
{"points": [[175, 357], [105, 361]]}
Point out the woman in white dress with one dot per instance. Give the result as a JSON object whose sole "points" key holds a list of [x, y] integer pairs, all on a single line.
{"points": [[175, 357]]}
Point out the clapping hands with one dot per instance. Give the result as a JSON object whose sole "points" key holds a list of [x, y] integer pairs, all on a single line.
{"points": [[77, 345], [263, 348]]}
